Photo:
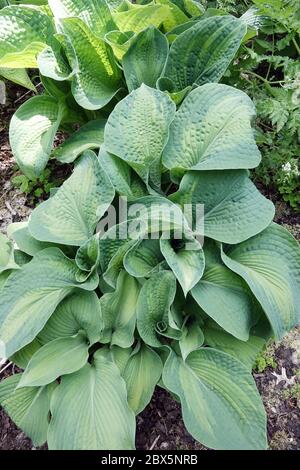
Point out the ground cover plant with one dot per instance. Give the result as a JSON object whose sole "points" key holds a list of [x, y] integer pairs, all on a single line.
{"points": [[98, 309]]}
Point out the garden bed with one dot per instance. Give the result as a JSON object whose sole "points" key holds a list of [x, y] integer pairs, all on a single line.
{"points": [[160, 426]]}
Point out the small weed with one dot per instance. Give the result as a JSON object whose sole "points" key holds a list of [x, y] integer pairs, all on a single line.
{"points": [[38, 188], [265, 359]]}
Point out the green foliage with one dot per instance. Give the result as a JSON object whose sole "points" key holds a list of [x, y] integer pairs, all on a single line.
{"points": [[99, 307], [38, 188], [88, 53], [268, 69], [265, 359]]}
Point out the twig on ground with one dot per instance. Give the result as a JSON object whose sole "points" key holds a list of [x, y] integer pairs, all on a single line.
{"points": [[155, 442], [6, 367]]}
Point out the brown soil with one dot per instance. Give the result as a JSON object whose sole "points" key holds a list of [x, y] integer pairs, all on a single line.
{"points": [[160, 426]]}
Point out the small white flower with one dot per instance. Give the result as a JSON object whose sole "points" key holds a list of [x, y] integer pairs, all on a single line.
{"points": [[287, 167]]}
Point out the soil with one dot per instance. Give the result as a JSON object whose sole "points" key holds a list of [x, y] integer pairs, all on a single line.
{"points": [[160, 426]]}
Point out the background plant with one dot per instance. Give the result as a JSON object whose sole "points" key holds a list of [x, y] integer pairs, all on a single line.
{"points": [[268, 70]]}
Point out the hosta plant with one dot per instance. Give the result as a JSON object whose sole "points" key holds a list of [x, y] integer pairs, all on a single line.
{"points": [[156, 264], [91, 53]]}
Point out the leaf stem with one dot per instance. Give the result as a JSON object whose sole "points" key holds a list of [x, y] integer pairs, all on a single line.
{"points": [[296, 45]]}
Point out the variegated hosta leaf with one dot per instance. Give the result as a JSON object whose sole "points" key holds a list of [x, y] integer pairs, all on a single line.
{"points": [[225, 297], [203, 52], [20, 234], [30, 296], [187, 262], [119, 312], [119, 42], [7, 261], [96, 74], [175, 15], [191, 7], [141, 374], [234, 209], [79, 311], [59, 357], [95, 13], [153, 307], [145, 59], [124, 179], [143, 258], [139, 17], [89, 136], [28, 407], [24, 32], [90, 411], [70, 217], [52, 62], [192, 339], [212, 131], [221, 406], [270, 264], [19, 76], [32, 131], [244, 351], [137, 131]]}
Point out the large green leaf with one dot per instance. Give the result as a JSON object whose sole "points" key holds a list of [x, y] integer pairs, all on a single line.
{"points": [[119, 312], [186, 263], [244, 351], [270, 264], [139, 17], [153, 307], [234, 209], [70, 217], [220, 403], [124, 179], [141, 374], [89, 136], [225, 297], [152, 215], [27, 407], [143, 258], [192, 339], [30, 296], [22, 357], [52, 61], [59, 357], [212, 131], [203, 52], [145, 59], [95, 13], [96, 74], [138, 128], [90, 410], [79, 311], [119, 42], [23, 34], [32, 131], [24, 241]]}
